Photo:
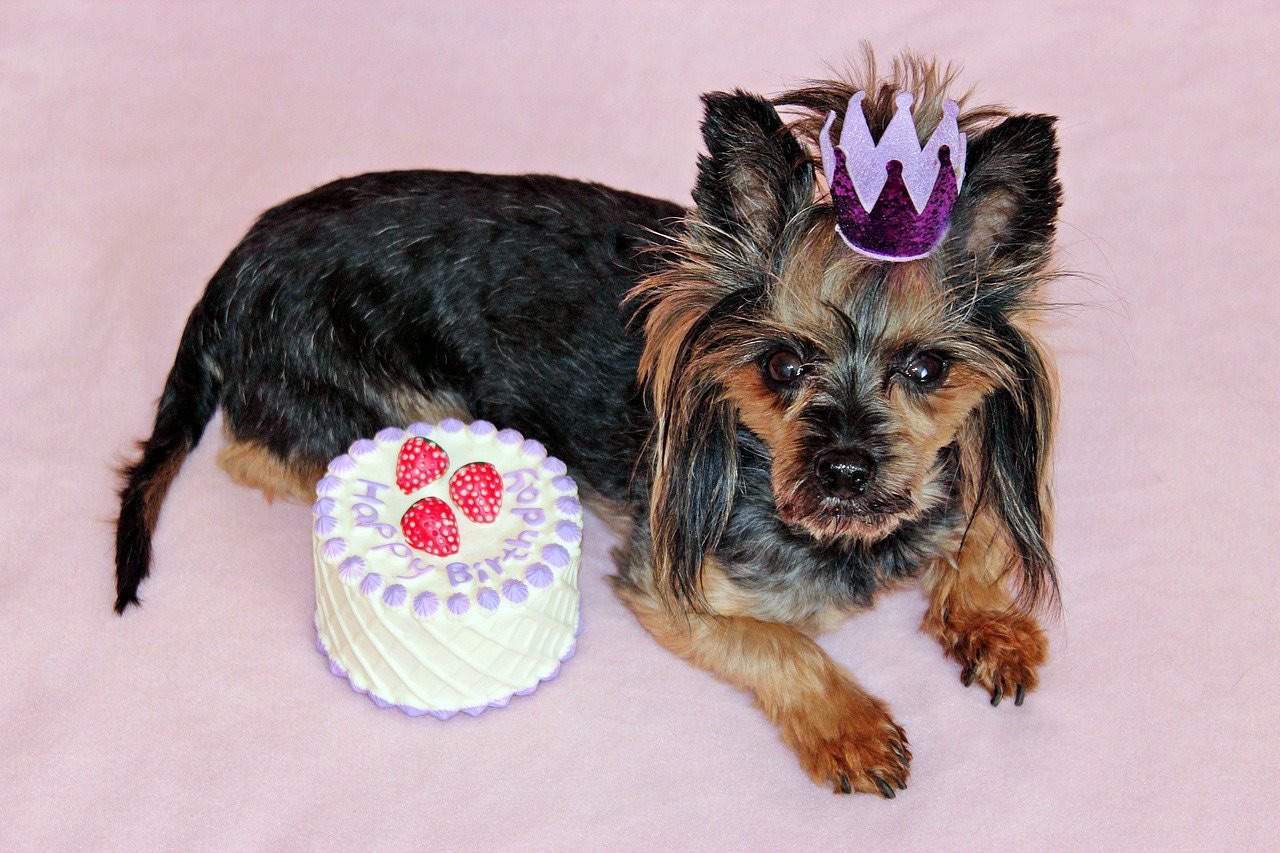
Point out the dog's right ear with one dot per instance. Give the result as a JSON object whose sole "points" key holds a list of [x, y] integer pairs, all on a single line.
{"points": [[754, 176]]}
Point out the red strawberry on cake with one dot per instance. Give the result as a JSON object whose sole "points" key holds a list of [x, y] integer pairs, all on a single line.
{"points": [[421, 463], [476, 489], [430, 525]]}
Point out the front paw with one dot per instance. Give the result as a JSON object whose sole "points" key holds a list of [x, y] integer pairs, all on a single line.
{"points": [[1000, 651], [847, 740]]}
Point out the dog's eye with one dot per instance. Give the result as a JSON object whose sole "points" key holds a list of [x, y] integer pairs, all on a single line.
{"points": [[785, 367], [926, 370]]}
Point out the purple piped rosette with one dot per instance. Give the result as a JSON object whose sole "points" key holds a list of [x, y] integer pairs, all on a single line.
{"points": [[425, 604], [486, 590]]}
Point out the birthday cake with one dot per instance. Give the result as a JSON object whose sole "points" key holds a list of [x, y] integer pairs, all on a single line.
{"points": [[446, 561]]}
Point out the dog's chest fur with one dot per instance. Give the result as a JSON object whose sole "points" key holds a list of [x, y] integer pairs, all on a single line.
{"points": [[791, 577]]}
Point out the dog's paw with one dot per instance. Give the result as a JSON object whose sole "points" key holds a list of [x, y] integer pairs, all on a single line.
{"points": [[848, 740], [1000, 651]]}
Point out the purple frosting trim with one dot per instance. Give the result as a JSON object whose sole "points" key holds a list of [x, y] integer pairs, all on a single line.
{"points": [[420, 429], [488, 598], [426, 604], [553, 466], [538, 575], [343, 464], [533, 448], [510, 436], [328, 485], [372, 583], [335, 548], [568, 531], [352, 568], [568, 506], [363, 447], [394, 595], [390, 434], [556, 555], [325, 525], [458, 604], [445, 714], [451, 425], [324, 506], [515, 591], [482, 428], [564, 484]]}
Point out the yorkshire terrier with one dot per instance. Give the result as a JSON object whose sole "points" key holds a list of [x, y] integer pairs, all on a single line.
{"points": [[790, 415]]}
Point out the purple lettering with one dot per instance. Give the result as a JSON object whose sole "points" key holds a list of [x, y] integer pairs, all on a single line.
{"points": [[417, 568], [371, 491], [531, 515], [459, 573], [523, 482]]}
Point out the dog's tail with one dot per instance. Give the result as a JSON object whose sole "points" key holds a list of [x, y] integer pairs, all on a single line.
{"points": [[187, 403]]}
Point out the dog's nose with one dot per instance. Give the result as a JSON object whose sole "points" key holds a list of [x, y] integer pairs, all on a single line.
{"points": [[845, 473]]}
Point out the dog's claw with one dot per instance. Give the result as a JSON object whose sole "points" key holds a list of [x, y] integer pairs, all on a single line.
{"points": [[996, 696], [884, 788], [966, 677], [845, 787], [1019, 694]]}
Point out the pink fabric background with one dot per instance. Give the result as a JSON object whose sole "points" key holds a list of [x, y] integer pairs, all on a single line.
{"points": [[138, 141]]}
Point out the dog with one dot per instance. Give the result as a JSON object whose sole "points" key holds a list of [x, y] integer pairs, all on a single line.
{"points": [[782, 425]]}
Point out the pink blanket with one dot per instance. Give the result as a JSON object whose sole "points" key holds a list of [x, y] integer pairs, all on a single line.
{"points": [[138, 141]]}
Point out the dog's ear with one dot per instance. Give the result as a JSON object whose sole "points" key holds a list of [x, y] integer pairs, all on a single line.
{"points": [[754, 176], [1006, 216], [693, 453], [1016, 426]]}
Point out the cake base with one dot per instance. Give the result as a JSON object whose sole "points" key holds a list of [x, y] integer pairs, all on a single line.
{"points": [[336, 669]]}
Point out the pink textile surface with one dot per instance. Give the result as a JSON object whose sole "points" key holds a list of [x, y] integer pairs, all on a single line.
{"points": [[138, 142]]}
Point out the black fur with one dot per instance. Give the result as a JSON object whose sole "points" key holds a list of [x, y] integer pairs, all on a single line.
{"points": [[503, 292], [755, 176], [187, 403]]}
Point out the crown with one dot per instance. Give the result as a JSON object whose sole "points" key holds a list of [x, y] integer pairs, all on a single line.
{"points": [[893, 199]]}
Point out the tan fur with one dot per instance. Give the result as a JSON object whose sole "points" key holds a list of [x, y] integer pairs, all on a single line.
{"points": [[252, 465], [972, 614], [159, 487], [412, 406], [843, 737]]}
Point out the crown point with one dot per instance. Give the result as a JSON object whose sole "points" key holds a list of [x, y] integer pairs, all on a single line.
{"points": [[904, 100], [950, 109]]}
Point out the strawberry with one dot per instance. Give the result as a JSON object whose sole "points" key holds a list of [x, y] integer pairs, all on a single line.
{"points": [[476, 489], [429, 525], [421, 462]]}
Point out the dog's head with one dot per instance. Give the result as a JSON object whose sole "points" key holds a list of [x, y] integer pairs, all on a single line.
{"points": [[876, 390]]}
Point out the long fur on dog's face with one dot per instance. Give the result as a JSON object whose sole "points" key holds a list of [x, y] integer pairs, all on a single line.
{"points": [[924, 371]]}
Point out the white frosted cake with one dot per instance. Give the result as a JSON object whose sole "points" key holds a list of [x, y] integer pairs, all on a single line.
{"points": [[446, 561]]}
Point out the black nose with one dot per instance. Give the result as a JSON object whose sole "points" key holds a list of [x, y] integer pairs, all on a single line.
{"points": [[845, 473]]}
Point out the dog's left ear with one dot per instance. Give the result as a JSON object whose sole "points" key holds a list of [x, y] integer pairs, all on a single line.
{"points": [[754, 176], [1001, 238], [1007, 213]]}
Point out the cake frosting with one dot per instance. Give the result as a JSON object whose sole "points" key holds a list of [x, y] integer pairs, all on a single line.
{"points": [[446, 563]]}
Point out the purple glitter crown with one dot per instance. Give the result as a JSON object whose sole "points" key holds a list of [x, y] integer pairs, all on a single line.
{"points": [[893, 199]]}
